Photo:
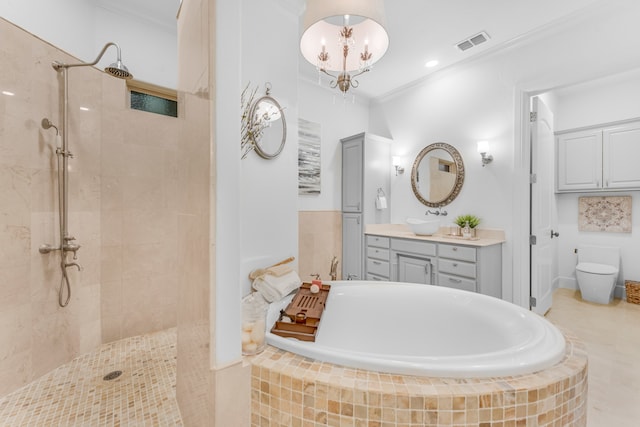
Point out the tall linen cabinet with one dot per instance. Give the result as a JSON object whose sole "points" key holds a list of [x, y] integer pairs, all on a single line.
{"points": [[365, 177]]}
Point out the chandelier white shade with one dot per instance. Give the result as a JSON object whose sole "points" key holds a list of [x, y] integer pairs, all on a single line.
{"points": [[345, 37]]}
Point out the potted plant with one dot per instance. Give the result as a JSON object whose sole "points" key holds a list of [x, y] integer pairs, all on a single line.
{"points": [[471, 220]]}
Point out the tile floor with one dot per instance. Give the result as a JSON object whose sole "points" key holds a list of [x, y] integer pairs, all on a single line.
{"points": [[76, 395], [611, 334]]}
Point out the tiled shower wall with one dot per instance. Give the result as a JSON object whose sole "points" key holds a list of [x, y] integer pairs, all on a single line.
{"points": [[122, 205]]}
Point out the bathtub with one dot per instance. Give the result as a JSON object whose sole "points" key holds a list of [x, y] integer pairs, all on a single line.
{"points": [[412, 329]]}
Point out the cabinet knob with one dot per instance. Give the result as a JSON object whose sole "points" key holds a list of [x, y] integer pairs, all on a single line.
{"points": [[376, 262], [455, 264], [454, 249], [451, 279]]}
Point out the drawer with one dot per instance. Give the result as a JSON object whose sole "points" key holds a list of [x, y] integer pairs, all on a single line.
{"points": [[414, 247], [456, 282], [457, 268], [378, 241], [375, 278], [378, 253], [377, 267], [463, 253]]}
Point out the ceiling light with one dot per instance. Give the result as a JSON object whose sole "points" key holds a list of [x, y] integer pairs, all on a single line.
{"points": [[6, 92], [84, 109], [343, 39], [431, 63]]}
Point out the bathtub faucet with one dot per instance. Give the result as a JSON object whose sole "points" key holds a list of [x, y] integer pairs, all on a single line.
{"points": [[334, 268]]}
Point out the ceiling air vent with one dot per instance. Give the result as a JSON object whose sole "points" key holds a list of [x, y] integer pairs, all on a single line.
{"points": [[473, 41]]}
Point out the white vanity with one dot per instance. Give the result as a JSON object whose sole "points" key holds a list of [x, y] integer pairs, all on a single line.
{"points": [[393, 253]]}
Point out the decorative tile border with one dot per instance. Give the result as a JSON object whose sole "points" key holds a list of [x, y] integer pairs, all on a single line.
{"points": [[293, 391], [605, 213]]}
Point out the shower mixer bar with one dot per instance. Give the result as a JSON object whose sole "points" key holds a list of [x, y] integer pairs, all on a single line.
{"points": [[67, 244]]}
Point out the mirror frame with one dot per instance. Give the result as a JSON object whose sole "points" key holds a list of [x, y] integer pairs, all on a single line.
{"points": [[457, 159], [256, 140]]}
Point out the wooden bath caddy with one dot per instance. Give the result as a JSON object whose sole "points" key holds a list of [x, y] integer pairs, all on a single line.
{"points": [[305, 311]]}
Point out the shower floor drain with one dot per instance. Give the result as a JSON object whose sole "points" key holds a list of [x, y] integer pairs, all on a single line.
{"points": [[112, 375]]}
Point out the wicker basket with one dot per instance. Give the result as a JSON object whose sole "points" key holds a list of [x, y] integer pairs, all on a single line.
{"points": [[633, 291]]}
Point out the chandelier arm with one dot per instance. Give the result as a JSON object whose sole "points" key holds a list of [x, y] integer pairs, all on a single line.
{"points": [[359, 73], [327, 73]]}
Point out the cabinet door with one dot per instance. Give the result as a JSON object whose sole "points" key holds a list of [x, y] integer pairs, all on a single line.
{"points": [[621, 151], [414, 270], [579, 161], [352, 175], [352, 239]]}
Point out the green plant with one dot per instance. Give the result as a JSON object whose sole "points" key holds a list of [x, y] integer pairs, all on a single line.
{"points": [[462, 220]]}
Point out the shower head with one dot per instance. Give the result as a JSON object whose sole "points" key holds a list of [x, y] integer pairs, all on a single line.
{"points": [[117, 69]]}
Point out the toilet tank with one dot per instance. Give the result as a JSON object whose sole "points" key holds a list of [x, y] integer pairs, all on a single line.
{"points": [[599, 255]]}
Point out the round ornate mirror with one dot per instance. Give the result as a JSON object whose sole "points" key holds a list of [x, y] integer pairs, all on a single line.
{"points": [[268, 127], [437, 174]]}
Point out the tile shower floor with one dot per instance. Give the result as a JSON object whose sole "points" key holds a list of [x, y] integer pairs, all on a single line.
{"points": [[76, 395]]}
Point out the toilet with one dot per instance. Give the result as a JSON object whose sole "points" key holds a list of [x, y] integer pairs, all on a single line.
{"points": [[597, 272]]}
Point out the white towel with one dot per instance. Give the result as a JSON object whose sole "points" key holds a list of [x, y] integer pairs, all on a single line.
{"points": [[275, 288], [381, 203]]}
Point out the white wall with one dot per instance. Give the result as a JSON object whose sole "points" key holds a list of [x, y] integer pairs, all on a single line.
{"points": [[597, 102], [338, 118], [269, 188], [477, 100], [82, 28]]}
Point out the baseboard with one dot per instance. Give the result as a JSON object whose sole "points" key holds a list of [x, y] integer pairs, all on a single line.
{"points": [[567, 283]]}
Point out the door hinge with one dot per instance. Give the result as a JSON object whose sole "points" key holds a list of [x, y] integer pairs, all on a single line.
{"points": [[533, 116], [532, 240], [533, 178], [532, 301]]}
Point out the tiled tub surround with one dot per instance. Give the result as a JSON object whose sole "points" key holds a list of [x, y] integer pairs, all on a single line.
{"points": [[293, 391]]}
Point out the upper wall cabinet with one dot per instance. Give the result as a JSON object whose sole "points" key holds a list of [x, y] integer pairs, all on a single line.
{"points": [[599, 159]]}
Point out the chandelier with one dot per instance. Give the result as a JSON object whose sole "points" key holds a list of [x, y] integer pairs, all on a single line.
{"points": [[343, 39]]}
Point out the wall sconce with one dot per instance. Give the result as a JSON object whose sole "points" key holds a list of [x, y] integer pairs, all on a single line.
{"points": [[396, 161], [483, 149]]}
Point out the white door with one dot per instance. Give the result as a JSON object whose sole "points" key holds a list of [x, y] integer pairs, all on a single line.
{"points": [[542, 207]]}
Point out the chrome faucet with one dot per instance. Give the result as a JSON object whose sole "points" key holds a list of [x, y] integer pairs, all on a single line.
{"points": [[436, 212], [334, 268], [73, 264]]}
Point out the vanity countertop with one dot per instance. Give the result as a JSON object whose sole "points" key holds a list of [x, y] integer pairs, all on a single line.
{"points": [[485, 237]]}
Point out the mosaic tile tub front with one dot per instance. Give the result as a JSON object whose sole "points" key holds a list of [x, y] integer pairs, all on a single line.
{"points": [[293, 391]]}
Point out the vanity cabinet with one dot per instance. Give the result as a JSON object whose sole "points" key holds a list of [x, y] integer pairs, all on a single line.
{"points": [[377, 264], [474, 269], [599, 159], [352, 231], [365, 169]]}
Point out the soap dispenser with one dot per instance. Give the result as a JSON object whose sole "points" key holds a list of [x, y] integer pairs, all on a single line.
{"points": [[466, 231]]}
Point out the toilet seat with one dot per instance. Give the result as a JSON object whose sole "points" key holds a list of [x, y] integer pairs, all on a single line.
{"points": [[594, 268]]}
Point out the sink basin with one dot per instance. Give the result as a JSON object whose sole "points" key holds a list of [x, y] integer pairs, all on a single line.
{"points": [[423, 227]]}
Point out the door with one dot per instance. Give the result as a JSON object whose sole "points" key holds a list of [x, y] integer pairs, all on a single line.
{"points": [[352, 152], [542, 207], [352, 235], [414, 270]]}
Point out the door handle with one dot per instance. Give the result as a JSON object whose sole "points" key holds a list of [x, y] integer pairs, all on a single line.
{"points": [[554, 234]]}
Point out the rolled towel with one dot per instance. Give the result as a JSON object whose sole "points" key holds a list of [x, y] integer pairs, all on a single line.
{"points": [[279, 270], [275, 288]]}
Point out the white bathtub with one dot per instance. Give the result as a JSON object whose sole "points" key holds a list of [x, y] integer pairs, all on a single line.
{"points": [[406, 328]]}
